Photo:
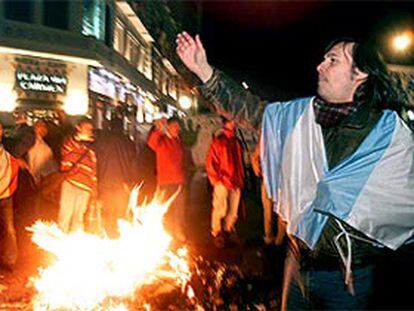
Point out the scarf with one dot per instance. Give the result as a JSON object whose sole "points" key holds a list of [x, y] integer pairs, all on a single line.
{"points": [[329, 114]]}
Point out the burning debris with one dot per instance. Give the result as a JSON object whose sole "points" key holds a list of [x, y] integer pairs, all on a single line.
{"points": [[220, 286], [138, 271], [91, 271]]}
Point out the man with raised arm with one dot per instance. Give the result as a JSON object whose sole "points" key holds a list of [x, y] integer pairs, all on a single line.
{"points": [[339, 165], [166, 142]]}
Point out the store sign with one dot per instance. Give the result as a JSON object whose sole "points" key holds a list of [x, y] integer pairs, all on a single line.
{"points": [[104, 82], [101, 84], [41, 82]]}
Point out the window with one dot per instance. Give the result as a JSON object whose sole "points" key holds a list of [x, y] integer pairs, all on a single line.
{"points": [[145, 62], [56, 13], [132, 50], [93, 22], [172, 88], [141, 60], [119, 38], [19, 10], [109, 25], [157, 75], [139, 55], [129, 47], [164, 83]]}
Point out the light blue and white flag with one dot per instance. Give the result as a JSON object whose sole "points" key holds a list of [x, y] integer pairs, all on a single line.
{"points": [[372, 190]]}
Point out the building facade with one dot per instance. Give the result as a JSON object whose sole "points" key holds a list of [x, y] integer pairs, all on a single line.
{"points": [[91, 57]]}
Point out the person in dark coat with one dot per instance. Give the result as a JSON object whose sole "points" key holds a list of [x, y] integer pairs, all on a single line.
{"points": [[117, 173], [22, 138]]}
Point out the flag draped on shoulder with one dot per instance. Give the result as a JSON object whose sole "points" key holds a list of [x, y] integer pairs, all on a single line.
{"points": [[371, 190]]}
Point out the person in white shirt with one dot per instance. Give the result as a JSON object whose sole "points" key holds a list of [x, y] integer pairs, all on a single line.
{"points": [[40, 157]]}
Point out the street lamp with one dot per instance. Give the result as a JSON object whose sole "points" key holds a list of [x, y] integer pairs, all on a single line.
{"points": [[402, 41]]}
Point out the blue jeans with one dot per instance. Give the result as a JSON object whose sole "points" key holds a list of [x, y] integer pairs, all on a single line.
{"points": [[327, 290]]}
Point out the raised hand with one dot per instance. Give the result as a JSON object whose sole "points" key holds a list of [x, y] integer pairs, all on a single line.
{"points": [[161, 124], [193, 55]]}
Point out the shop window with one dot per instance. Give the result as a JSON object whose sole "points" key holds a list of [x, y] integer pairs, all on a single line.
{"points": [[93, 22], [56, 13], [21, 11]]}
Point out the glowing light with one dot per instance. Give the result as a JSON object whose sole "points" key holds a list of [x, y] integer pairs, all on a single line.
{"points": [[8, 98], [92, 272], [76, 103], [402, 42], [410, 115], [185, 102]]}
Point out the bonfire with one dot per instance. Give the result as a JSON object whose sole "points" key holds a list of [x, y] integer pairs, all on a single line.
{"points": [[92, 272]]}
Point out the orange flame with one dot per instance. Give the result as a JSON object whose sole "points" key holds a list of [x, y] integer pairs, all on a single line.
{"points": [[91, 270]]}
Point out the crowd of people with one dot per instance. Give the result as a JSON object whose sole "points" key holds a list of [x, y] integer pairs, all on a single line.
{"points": [[64, 173], [82, 178]]}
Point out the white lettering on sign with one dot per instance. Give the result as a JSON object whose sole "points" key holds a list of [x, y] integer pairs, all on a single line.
{"points": [[41, 82], [36, 86]]}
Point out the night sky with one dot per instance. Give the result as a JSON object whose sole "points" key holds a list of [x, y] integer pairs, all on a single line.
{"points": [[276, 45]]}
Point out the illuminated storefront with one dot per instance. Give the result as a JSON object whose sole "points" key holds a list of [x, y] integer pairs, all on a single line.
{"points": [[112, 94], [42, 85]]}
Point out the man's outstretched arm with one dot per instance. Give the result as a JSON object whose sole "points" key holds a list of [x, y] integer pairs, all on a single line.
{"points": [[226, 96]]}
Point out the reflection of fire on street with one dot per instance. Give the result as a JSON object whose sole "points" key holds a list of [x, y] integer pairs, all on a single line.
{"points": [[93, 272]]}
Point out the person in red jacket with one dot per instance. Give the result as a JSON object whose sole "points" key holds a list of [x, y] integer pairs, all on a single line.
{"points": [[225, 170], [165, 141]]}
